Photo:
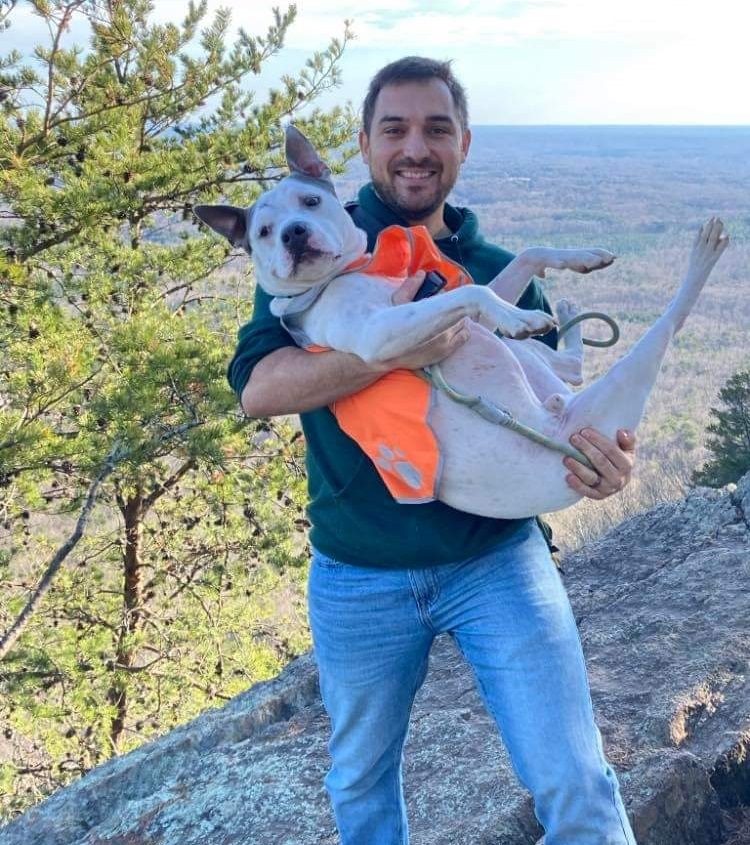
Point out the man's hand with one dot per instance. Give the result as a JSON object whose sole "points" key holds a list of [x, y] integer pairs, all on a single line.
{"points": [[612, 460], [436, 348], [407, 290]]}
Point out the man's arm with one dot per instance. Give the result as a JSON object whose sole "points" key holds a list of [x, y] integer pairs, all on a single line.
{"points": [[291, 380]]}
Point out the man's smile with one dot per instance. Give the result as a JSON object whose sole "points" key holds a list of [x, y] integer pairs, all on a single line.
{"points": [[415, 174]]}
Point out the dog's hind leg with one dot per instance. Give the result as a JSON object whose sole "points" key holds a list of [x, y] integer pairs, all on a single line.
{"points": [[567, 361], [618, 398], [550, 371]]}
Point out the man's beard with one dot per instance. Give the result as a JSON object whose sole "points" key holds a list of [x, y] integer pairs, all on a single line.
{"points": [[411, 212]]}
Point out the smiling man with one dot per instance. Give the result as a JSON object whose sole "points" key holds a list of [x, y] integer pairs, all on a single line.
{"points": [[387, 578]]}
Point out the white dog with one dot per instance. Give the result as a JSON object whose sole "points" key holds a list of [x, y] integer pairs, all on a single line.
{"points": [[302, 240]]}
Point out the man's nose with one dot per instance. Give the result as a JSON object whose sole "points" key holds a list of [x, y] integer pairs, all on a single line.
{"points": [[415, 145]]}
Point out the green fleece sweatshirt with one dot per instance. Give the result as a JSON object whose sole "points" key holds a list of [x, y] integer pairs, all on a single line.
{"points": [[354, 519]]}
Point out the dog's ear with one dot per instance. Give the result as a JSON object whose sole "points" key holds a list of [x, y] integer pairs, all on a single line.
{"points": [[227, 220], [302, 157]]}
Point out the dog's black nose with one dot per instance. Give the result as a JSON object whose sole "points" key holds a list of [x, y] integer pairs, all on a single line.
{"points": [[295, 236]]}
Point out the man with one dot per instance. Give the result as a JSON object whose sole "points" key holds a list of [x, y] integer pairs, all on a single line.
{"points": [[387, 578]]}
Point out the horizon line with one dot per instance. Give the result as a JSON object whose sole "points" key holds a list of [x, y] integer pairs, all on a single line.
{"points": [[616, 125]]}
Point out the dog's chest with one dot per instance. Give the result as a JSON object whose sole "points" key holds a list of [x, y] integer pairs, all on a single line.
{"points": [[338, 314]]}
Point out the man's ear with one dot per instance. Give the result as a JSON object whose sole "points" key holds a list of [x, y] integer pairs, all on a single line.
{"points": [[465, 143], [364, 146], [302, 157], [227, 220]]}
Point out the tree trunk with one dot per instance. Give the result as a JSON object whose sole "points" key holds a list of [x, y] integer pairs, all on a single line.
{"points": [[133, 513]]}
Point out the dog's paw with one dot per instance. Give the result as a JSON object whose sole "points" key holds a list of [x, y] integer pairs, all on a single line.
{"points": [[709, 245], [528, 323], [566, 310], [580, 260]]}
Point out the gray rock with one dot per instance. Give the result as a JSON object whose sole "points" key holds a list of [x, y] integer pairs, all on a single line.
{"points": [[663, 608]]}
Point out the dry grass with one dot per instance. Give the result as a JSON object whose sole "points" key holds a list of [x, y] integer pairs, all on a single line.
{"points": [[589, 520]]}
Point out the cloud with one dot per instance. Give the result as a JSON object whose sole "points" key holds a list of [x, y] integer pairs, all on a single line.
{"points": [[455, 25], [531, 60], [463, 23]]}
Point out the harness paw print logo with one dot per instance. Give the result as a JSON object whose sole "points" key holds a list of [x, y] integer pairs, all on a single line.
{"points": [[395, 461]]}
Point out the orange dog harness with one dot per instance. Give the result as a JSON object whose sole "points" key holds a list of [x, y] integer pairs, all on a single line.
{"points": [[389, 420]]}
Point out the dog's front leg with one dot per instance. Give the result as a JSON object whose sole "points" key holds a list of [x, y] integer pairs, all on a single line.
{"points": [[534, 261], [390, 332]]}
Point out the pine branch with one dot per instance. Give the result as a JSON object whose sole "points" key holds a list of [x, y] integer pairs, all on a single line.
{"points": [[42, 588], [116, 456]]}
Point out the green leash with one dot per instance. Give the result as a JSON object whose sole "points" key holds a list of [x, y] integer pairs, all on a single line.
{"points": [[501, 416]]}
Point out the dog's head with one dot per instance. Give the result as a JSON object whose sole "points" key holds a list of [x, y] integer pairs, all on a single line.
{"points": [[298, 234]]}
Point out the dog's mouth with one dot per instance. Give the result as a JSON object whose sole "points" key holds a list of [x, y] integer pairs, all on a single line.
{"points": [[309, 255], [311, 258], [308, 267]]}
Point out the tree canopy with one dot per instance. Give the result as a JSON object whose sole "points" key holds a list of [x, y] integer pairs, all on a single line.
{"points": [[118, 320]]}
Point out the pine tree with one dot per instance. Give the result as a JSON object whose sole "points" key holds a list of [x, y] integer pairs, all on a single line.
{"points": [[117, 320], [730, 443]]}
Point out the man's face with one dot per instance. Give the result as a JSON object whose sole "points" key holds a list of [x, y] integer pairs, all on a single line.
{"points": [[415, 148]]}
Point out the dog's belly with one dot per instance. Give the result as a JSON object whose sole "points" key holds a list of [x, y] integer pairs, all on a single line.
{"points": [[489, 469]]}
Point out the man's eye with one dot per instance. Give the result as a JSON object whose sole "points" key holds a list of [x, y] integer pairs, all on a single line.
{"points": [[264, 231], [311, 201]]}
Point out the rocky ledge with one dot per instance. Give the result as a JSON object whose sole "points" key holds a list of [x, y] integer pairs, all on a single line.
{"points": [[663, 605]]}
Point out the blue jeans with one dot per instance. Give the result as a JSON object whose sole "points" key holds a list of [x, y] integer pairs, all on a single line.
{"points": [[510, 616]]}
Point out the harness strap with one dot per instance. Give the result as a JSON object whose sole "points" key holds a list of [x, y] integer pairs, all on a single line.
{"points": [[500, 416]]}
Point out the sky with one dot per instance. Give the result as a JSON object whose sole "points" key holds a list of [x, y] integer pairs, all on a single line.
{"points": [[523, 61]]}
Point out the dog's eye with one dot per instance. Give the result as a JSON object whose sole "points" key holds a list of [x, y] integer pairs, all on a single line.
{"points": [[264, 230], [311, 201]]}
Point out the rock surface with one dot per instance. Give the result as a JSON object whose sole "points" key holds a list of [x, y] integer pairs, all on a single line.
{"points": [[663, 604]]}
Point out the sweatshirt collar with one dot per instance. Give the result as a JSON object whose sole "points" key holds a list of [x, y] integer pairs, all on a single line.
{"points": [[461, 221]]}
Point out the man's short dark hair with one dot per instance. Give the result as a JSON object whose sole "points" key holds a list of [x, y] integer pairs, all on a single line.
{"points": [[415, 69]]}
